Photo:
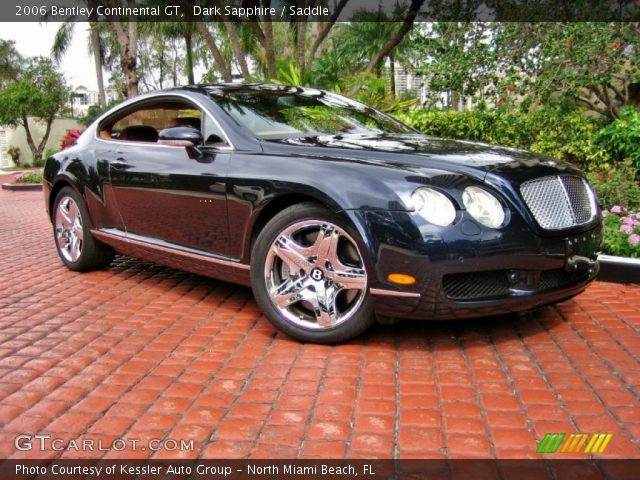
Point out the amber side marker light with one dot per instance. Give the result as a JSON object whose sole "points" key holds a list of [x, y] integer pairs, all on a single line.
{"points": [[401, 279]]}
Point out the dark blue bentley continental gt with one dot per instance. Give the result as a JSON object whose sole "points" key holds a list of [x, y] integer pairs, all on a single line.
{"points": [[334, 213]]}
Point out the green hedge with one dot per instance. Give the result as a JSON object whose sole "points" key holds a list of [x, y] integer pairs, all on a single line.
{"points": [[563, 136], [620, 140]]}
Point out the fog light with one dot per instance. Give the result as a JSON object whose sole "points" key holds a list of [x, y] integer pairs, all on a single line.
{"points": [[401, 279]]}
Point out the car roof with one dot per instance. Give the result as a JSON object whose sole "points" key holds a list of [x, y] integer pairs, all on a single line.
{"points": [[236, 87]]}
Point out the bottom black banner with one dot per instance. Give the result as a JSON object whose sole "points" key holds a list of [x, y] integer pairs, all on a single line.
{"points": [[63, 469]]}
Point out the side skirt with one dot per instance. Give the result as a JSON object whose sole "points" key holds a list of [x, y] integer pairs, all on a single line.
{"points": [[175, 256]]}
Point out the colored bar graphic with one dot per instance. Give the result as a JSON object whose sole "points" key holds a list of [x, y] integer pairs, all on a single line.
{"points": [[555, 446], [595, 443], [606, 442], [550, 443], [592, 441], [542, 447], [579, 446]]}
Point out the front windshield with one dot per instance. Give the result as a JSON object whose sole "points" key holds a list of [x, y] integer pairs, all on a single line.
{"points": [[284, 112]]}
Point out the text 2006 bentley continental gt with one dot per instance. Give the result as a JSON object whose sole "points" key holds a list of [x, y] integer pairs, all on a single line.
{"points": [[334, 213]]}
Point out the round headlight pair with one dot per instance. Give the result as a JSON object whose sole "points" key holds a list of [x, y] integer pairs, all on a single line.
{"points": [[437, 208]]}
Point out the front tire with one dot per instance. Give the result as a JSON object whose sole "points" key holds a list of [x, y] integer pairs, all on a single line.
{"points": [[77, 248], [309, 277]]}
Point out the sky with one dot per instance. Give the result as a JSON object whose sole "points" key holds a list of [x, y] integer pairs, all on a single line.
{"points": [[33, 39]]}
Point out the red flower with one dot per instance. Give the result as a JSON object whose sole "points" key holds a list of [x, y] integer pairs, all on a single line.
{"points": [[501, 102], [70, 138], [511, 88]]}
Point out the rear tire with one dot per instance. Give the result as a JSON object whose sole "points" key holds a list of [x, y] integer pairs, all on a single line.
{"points": [[77, 248], [309, 277]]}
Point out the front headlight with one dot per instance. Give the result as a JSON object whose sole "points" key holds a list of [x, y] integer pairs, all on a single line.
{"points": [[483, 206], [434, 207]]}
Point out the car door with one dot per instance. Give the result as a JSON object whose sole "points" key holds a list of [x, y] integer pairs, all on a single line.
{"points": [[166, 193]]}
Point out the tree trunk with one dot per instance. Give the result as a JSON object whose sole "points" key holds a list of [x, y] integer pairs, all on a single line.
{"points": [[223, 67], [234, 39], [392, 75], [128, 43], [30, 142], [189, 58], [265, 38], [301, 37], [132, 60], [398, 36], [236, 45], [97, 61], [268, 46], [327, 26], [36, 150], [455, 100], [43, 142]]}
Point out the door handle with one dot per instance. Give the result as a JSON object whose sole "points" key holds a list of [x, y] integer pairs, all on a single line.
{"points": [[119, 163]]}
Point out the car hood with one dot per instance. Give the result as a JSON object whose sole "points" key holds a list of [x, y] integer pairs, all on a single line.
{"points": [[413, 151]]}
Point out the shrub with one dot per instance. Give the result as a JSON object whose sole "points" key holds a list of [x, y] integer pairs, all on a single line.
{"points": [[616, 185], [622, 232], [50, 152], [371, 90], [621, 139], [93, 112], [31, 177], [14, 152], [563, 136]]}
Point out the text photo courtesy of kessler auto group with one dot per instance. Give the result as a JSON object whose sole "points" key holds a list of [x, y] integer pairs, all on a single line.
{"points": [[319, 239]]}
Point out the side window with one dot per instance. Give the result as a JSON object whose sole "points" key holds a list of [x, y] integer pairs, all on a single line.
{"points": [[142, 124], [212, 134]]}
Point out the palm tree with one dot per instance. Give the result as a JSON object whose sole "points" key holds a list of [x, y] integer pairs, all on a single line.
{"points": [[62, 42], [186, 31]]}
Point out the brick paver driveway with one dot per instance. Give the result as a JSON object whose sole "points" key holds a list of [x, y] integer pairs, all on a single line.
{"points": [[140, 351]]}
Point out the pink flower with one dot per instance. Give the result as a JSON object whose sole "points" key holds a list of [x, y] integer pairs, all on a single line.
{"points": [[628, 229], [616, 209], [627, 220], [634, 239]]}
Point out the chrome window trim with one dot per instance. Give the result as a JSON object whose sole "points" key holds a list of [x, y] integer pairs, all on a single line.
{"points": [[133, 101]]}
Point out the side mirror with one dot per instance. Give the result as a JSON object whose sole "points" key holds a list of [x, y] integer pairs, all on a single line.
{"points": [[180, 137]]}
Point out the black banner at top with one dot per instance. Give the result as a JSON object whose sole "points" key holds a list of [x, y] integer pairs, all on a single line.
{"points": [[319, 10]]}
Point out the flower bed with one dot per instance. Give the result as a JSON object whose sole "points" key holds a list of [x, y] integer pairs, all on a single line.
{"points": [[31, 180], [621, 232], [28, 177]]}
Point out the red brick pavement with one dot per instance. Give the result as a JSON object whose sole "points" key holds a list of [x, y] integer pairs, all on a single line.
{"points": [[140, 351]]}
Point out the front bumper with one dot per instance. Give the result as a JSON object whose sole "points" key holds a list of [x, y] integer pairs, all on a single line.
{"points": [[465, 272]]}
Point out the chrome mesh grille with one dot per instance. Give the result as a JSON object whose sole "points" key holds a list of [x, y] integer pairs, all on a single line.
{"points": [[559, 202]]}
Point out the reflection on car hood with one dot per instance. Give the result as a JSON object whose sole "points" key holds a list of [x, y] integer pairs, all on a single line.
{"points": [[421, 151]]}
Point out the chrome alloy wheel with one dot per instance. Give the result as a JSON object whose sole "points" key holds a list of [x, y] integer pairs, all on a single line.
{"points": [[315, 275], [69, 233]]}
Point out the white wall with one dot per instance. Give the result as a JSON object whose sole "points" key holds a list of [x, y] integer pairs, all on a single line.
{"points": [[17, 137]]}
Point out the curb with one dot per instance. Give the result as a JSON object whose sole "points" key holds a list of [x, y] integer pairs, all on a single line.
{"points": [[619, 269], [24, 187]]}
